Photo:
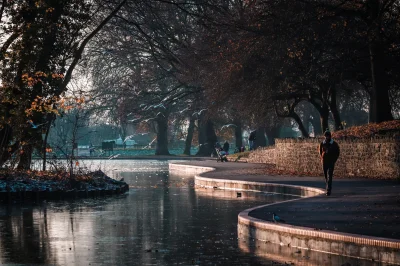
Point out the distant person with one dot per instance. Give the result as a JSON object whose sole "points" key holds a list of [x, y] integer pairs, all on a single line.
{"points": [[91, 149], [226, 147], [252, 139], [329, 152], [217, 145]]}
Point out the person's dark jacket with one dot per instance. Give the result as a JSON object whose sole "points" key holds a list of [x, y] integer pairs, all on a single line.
{"points": [[226, 147], [252, 136], [329, 151]]}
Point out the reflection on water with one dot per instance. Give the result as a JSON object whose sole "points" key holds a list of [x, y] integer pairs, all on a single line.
{"points": [[299, 257], [161, 221]]}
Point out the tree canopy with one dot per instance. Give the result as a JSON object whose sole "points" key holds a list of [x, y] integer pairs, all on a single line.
{"points": [[258, 64]]}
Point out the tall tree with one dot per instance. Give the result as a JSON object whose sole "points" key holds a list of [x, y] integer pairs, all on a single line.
{"points": [[45, 43]]}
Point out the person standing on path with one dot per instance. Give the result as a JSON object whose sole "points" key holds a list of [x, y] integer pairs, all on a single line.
{"points": [[226, 147], [329, 152], [252, 139]]}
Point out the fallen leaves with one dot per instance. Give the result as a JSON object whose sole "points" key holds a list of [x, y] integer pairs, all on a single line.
{"points": [[369, 130]]}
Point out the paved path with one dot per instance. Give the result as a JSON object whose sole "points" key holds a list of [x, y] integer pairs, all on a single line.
{"points": [[358, 206]]}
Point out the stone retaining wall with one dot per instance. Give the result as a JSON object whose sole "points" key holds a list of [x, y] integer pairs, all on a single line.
{"points": [[286, 235], [226, 184], [262, 155], [376, 157], [344, 244]]}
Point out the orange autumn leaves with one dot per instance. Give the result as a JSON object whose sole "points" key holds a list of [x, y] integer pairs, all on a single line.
{"points": [[68, 103], [41, 104], [54, 104], [40, 77], [369, 130]]}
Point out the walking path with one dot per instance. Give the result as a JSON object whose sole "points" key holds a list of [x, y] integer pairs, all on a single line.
{"points": [[356, 206]]}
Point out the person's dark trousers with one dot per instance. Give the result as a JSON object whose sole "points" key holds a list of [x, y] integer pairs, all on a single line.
{"points": [[328, 173]]}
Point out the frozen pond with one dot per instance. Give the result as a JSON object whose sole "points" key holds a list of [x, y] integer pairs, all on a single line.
{"points": [[163, 220]]}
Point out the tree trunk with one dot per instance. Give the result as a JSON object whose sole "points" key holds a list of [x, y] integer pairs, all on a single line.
{"points": [[5, 138], [123, 133], [323, 113], [45, 145], [3, 5], [380, 102], [203, 150], [33, 139], [334, 110], [71, 158], [292, 114], [316, 124], [189, 137], [25, 158], [207, 138], [302, 129], [238, 134], [307, 121], [324, 117], [211, 136], [380, 109], [260, 138], [162, 136], [272, 133], [8, 152]]}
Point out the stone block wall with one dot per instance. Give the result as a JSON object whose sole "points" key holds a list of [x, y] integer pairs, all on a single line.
{"points": [[262, 155], [375, 157]]}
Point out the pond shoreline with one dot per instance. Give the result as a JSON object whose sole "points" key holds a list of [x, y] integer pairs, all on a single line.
{"points": [[35, 196], [21, 186], [134, 157]]}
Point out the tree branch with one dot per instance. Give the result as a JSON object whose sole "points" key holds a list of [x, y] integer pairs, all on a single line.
{"points": [[78, 53], [7, 44], [3, 5]]}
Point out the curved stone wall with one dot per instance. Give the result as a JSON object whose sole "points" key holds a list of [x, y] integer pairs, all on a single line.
{"points": [[351, 245]]}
